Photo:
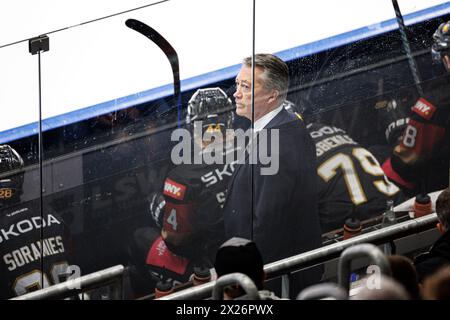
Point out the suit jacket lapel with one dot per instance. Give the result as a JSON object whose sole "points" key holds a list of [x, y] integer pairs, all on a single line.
{"points": [[239, 166], [279, 119]]}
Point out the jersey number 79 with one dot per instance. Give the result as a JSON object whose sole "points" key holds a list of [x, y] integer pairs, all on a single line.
{"points": [[368, 163]]}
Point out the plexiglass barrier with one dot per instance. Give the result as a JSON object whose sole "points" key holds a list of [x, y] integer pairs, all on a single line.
{"points": [[136, 166], [112, 100]]}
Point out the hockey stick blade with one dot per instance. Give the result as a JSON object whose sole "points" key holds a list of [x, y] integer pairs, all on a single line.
{"points": [[168, 50]]}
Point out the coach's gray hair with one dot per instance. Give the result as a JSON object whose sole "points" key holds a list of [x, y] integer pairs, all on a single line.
{"points": [[443, 208], [276, 72]]}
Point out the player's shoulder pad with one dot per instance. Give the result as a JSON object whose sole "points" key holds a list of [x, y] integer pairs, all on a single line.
{"points": [[424, 108], [174, 189]]}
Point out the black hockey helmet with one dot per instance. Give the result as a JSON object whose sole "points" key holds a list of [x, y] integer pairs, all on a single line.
{"points": [[213, 107], [441, 42], [10, 182]]}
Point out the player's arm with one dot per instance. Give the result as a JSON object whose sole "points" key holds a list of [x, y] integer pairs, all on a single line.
{"points": [[156, 205], [152, 261]]}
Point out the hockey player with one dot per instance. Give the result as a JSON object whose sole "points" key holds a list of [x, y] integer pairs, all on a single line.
{"points": [[188, 212], [425, 144], [351, 181], [28, 261]]}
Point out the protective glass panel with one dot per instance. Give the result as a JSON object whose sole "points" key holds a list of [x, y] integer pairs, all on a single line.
{"points": [[139, 171], [20, 218], [353, 80], [128, 157]]}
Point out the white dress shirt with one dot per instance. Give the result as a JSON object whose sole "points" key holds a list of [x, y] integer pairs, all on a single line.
{"points": [[265, 119]]}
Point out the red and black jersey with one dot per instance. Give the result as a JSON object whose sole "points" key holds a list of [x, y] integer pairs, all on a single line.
{"points": [[422, 156], [192, 217], [153, 261], [350, 178], [29, 262], [194, 196]]}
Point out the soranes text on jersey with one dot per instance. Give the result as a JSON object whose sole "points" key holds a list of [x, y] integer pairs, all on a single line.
{"points": [[332, 138], [30, 251]]}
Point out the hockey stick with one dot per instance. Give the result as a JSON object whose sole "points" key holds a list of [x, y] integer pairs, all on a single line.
{"points": [[168, 50], [414, 71], [406, 47]]}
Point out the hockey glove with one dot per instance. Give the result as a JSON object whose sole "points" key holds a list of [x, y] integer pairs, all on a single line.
{"points": [[156, 208]]}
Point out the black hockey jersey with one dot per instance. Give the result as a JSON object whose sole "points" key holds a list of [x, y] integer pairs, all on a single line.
{"points": [[351, 180], [29, 262], [194, 196]]}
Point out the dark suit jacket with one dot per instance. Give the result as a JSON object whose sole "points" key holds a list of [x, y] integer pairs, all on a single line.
{"points": [[438, 257], [280, 212]]}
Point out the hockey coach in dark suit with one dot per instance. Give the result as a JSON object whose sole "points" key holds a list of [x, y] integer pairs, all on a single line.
{"points": [[275, 207]]}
